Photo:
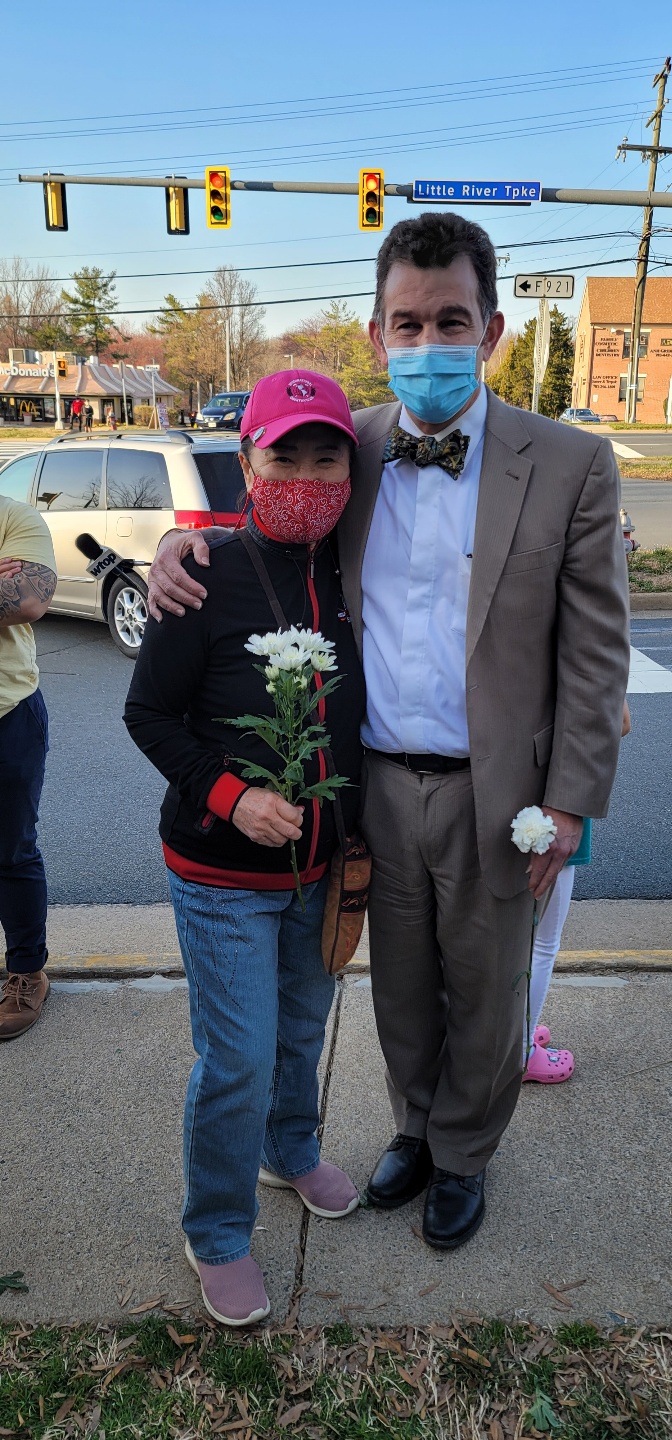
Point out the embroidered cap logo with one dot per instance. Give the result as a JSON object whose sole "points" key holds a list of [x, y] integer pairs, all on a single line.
{"points": [[301, 390]]}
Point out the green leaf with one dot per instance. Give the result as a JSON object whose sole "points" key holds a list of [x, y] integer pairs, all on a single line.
{"points": [[541, 1413], [323, 789], [14, 1281], [259, 772]]}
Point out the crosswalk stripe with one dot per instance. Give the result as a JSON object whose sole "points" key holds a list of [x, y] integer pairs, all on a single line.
{"points": [[647, 677]]}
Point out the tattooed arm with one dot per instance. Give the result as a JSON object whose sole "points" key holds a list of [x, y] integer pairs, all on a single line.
{"points": [[26, 593]]}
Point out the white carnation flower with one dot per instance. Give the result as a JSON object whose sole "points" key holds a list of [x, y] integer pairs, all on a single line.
{"points": [[272, 672], [532, 830]]}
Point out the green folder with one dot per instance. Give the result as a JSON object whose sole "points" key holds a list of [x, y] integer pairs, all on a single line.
{"points": [[584, 854]]}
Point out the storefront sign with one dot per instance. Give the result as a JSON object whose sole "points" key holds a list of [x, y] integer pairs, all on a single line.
{"points": [[34, 372]]}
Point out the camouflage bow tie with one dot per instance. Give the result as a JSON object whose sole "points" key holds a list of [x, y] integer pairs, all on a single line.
{"points": [[450, 453]]}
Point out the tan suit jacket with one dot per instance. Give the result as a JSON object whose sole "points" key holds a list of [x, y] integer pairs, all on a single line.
{"points": [[547, 623]]}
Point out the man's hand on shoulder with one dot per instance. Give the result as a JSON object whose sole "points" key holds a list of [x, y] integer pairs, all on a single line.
{"points": [[170, 588], [544, 869], [26, 590]]}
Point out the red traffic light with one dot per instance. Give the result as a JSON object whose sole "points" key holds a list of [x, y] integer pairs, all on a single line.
{"points": [[371, 198]]}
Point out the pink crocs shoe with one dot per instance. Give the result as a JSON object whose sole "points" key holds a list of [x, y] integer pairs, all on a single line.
{"points": [[549, 1067], [542, 1036], [234, 1294], [326, 1190]]}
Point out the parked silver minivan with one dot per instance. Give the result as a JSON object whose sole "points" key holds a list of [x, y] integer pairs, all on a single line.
{"points": [[126, 492]]}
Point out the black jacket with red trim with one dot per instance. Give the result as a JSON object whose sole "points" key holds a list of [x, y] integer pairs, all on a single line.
{"points": [[195, 668]]}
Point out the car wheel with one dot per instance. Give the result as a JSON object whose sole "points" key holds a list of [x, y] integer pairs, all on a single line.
{"points": [[127, 613]]}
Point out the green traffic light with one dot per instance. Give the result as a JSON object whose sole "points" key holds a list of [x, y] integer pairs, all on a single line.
{"points": [[371, 216], [216, 212]]}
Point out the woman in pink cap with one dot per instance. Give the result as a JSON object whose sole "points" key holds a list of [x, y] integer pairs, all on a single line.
{"points": [[259, 992]]}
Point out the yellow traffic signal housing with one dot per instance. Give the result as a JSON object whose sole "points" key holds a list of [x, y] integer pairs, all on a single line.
{"points": [[177, 207], [371, 197], [55, 207], [62, 369], [217, 197]]}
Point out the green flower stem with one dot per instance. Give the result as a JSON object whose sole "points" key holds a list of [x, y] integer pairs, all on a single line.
{"points": [[297, 877], [528, 972]]}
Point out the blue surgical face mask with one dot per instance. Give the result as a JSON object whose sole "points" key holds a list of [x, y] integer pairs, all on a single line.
{"points": [[434, 381]]}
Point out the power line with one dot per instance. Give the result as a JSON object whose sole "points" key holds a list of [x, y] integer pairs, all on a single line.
{"points": [[264, 304], [308, 264]]}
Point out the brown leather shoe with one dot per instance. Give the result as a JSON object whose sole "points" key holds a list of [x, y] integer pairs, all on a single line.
{"points": [[21, 1001]]}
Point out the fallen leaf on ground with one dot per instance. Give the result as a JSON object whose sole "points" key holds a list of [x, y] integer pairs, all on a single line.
{"points": [[573, 1285], [428, 1288], [328, 1294], [180, 1339], [63, 1410], [417, 1231], [557, 1294], [496, 1432], [291, 1415], [147, 1305], [14, 1281]]}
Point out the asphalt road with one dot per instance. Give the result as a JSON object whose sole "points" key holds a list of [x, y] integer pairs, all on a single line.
{"points": [[640, 442], [101, 797]]}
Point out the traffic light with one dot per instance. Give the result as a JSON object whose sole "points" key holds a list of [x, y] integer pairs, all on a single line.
{"points": [[371, 196], [55, 207], [177, 207], [217, 197], [62, 369]]}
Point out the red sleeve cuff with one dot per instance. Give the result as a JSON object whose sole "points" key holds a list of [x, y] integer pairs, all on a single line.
{"points": [[225, 794]]}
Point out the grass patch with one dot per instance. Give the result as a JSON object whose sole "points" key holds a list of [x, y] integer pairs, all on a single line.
{"points": [[467, 1381], [638, 425], [650, 570], [646, 469]]}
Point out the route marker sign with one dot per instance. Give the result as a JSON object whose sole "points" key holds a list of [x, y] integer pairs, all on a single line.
{"points": [[476, 192], [543, 287]]}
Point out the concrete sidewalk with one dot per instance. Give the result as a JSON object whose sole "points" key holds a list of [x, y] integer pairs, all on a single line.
{"points": [[578, 1193]]}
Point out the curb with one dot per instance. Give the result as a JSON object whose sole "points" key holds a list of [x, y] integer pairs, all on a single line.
{"points": [[650, 600], [127, 967]]}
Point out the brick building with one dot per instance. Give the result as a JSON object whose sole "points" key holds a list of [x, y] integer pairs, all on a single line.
{"points": [[602, 353]]}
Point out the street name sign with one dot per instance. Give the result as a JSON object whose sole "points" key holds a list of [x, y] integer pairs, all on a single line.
{"points": [[476, 192], [543, 287]]}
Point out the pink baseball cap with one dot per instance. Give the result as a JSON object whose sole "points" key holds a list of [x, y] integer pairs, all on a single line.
{"points": [[281, 402]]}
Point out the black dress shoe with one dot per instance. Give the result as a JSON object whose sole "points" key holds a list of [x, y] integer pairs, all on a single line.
{"points": [[454, 1209], [402, 1172]]}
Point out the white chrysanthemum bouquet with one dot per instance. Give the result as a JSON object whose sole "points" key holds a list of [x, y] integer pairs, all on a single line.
{"points": [[294, 658]]}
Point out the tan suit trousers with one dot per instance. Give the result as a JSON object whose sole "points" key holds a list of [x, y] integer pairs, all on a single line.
{"points": [[448, 963]]}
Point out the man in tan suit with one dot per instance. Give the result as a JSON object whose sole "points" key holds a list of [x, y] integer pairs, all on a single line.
{"points": [[484, 571]]}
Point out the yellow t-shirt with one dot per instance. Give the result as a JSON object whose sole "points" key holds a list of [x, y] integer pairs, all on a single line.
{"points": [[24, 535]]}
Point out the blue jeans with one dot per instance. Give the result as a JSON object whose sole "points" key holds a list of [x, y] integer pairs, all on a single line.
{"points": [[24, 741], [259, 998]]}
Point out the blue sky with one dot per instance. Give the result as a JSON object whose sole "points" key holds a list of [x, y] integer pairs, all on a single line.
{"points": [[430, 89]]}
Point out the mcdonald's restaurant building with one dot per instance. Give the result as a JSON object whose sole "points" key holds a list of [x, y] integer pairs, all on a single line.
{"points": [[27, 388]]}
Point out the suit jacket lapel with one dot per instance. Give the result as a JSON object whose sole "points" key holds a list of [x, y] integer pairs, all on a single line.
{"points": [[504, 476], [373, 427]]}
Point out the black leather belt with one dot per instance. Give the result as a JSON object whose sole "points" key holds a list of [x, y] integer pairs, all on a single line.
{"points": [[427, 764]]}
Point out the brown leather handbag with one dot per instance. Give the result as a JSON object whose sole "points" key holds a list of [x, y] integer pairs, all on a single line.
{"points": [[350, 876], [347, 898]]}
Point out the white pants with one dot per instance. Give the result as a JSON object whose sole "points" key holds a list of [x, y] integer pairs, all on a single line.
{"points": [[547, 943]]}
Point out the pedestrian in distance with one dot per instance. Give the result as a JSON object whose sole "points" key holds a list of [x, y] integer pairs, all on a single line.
{"points": [[88, 417], [111, 418], [76, 411], [484, 570], [259, 990], [27, 583]]}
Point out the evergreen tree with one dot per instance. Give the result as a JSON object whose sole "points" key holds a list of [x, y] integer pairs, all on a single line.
{"points": [[90, 327], [513, 380]]}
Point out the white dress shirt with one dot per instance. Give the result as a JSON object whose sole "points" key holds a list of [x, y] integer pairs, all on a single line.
{"points": [[415, 590]]}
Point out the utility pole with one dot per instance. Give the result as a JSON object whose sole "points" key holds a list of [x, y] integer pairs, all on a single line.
{"points": [[652, 153], [58, 424], [227, 335], [542, 341]]}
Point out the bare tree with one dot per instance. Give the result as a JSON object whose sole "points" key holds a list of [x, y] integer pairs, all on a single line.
{"points": [[235, 300], [28, 303]]}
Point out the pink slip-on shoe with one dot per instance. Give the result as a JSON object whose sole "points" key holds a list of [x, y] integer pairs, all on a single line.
{"points": [[234, 1294], [325, 1191], [549, 1067], [542, 1036]]}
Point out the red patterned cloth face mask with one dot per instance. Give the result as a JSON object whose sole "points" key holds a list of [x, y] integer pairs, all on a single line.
{"points": [[299, 512]]}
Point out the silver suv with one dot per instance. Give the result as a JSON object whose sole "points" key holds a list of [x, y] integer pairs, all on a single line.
{"points": [[126, 492]]}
